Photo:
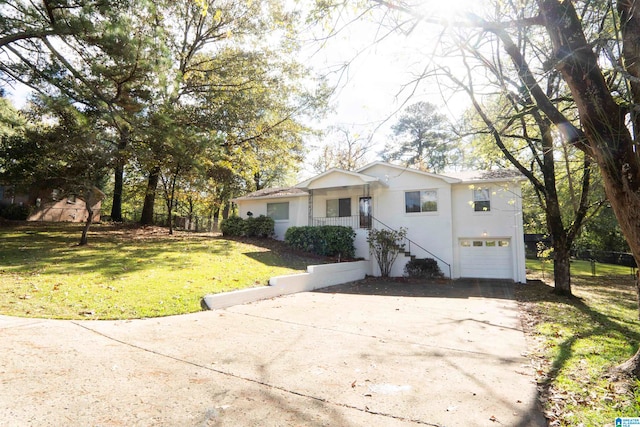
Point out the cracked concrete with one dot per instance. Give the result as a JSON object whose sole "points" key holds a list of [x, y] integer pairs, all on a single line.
{"points": [[367, 354]]}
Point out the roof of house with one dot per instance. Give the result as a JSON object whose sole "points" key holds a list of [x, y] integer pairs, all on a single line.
{"points": [[450, 177], [271, 193], [489, 175], [364, 178], [446, 178]]}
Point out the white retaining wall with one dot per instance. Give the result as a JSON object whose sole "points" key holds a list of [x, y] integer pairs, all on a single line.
{"points": [[317, 276]]}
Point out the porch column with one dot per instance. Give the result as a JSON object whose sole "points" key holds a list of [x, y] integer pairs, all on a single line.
{"points": [[310, 207]]}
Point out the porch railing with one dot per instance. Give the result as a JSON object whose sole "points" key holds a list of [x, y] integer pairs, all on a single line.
{"points": [[352, 221], [407, 243]]}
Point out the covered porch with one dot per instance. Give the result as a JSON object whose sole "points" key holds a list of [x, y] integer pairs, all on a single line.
{"points": [[339, 197]]}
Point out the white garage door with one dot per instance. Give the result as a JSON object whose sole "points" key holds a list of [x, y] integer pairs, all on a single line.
{"points": [[486, 258]]}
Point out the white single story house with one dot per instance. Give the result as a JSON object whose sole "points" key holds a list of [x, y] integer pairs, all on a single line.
{"points": [[471, 223]]}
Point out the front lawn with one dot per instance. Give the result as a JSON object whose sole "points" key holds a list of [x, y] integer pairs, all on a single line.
{"points": [[127, 272], [577, 342], [579, 268]]}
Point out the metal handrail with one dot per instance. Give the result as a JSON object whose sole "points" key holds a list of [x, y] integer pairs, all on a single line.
{"points": [[415, 244]]}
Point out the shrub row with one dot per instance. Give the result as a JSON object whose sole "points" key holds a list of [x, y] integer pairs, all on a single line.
{"points": [[14, 212], [423, 269], [262, 226], [326, 240]]}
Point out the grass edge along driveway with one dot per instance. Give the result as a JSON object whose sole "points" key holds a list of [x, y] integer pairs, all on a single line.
{"points": [[127, 273], [576, 343]]}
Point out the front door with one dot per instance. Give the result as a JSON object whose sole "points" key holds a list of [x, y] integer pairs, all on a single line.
{"points": [[365, 212]]}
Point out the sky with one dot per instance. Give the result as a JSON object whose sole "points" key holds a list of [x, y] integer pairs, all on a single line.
{"points": [[371, 92]]}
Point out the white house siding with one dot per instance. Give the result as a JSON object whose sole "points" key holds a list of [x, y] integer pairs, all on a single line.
{"points": [[503, 223], [431, 230], [498, 251], [298, 211]]}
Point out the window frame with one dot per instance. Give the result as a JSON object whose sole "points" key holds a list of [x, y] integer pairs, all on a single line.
{"points": [[338, 209], [421, 201], [270, 211], [481, 204]]}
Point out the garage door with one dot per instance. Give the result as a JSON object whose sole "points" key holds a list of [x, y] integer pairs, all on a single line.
{"points": [[486, 258]]}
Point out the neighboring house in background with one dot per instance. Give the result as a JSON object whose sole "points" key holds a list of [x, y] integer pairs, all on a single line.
{"points": [[470, 223], [48, 205]]}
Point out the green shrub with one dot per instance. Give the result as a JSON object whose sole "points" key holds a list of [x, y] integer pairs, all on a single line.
{"points": [[262, 226], [232, 226], [14, 212], [327, 240], [385, 246], [423, 269]]}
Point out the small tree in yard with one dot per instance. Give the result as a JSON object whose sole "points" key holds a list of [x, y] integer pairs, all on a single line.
{"points": [[386, 245]]}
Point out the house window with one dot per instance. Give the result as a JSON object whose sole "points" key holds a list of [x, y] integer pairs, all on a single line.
{"points": [[71, 199], [338, 208], [278, 211], [55, 194], [421, 201], [481, 200]]}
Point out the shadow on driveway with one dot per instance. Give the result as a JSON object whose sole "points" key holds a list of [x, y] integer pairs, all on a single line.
{"points": [[460, 288]]}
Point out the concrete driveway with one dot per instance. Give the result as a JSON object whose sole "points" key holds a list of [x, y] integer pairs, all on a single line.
{"points": [[365, 354]]}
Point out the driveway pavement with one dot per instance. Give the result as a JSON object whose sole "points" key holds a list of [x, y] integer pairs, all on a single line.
{"points": [[365, 354]]}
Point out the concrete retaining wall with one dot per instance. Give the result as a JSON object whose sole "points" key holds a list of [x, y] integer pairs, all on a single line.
{"points": [[317, 276]]}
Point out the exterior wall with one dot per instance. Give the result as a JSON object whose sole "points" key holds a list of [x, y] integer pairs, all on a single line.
{"points": [[317, 276], [504, 220], [64, 211], [45, 208], [336, 180], [438, 233], [298, 211], [431, 230]]}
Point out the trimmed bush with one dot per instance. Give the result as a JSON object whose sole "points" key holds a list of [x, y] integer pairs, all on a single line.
{"points": [[232, 226], [385, 246], [423, 269], [326, 240], [14, 212], [262, 226]]}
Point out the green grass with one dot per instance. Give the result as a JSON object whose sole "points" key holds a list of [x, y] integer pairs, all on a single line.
{"points": [[126, 273], [580, 268], [578, 341]]}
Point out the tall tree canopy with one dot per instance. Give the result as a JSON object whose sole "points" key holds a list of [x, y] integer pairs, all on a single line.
{"points": [[422, 138], [591, 48], [178, 86]]}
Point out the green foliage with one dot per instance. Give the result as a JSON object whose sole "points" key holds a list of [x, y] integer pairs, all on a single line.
{"points": [[14, 212], [602, 233], [262, 226], [423, 139], [386, 245], [233, 226], [579, 342], [423, 269], [326, 240]]}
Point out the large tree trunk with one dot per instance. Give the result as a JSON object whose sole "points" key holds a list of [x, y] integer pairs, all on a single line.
{"points": [[150, 197], [85, 231], [562, 268], [606, 134], [118, 185]]}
